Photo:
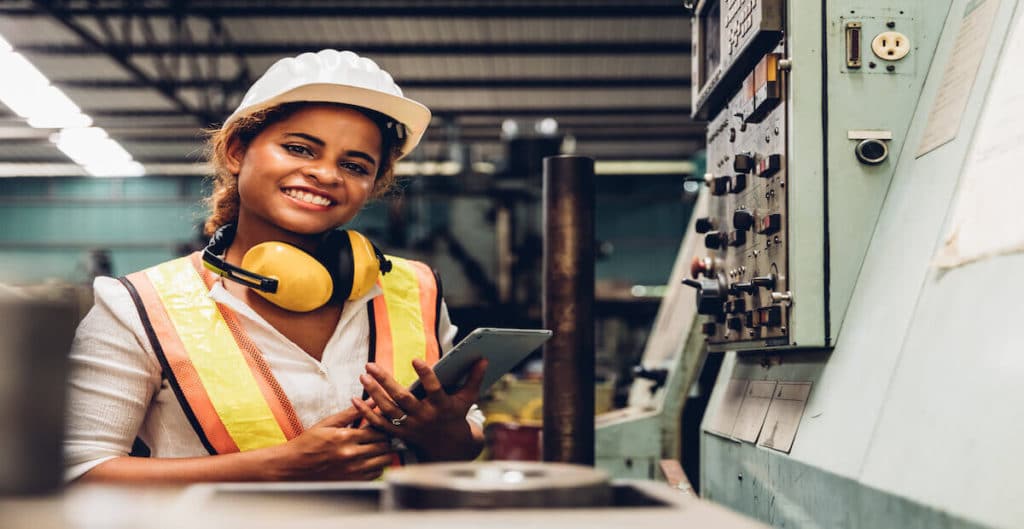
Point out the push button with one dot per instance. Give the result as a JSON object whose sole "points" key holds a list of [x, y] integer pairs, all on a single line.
{"points": [[770, 224], [769, 316], [739, 183], [720, 185], [743, 162], [768, 166], [742, 219], [704, 224]]}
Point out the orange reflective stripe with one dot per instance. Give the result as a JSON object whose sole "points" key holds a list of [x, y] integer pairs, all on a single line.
{"points": [[197, 402], [428, 309], [384, 347], [412, 290], [275, 396]]}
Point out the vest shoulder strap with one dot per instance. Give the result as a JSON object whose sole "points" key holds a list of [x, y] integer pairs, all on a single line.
{"points": [[404, 319], [220, 378]]}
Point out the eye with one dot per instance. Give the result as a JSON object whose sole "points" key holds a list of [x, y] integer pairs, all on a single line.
{"points": [[354, 167], [298, 149]]}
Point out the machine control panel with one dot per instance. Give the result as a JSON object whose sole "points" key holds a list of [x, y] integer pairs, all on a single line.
{"points": [[804, 128], [744, 233]]}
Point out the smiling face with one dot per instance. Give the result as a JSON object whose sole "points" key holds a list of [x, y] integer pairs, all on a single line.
{"points": [[306, 174]]}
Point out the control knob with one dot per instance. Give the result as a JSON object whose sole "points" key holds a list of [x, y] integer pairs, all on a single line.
{"points": [[714, 240], [711, 294]]}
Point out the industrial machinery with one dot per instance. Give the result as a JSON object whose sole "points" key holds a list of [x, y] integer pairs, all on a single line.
{"points": [[863, 172], [808, 109]]}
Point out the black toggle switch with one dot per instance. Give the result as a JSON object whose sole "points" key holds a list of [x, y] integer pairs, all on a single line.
{"points": [[767, 281], [714, 240], [720, 185], [737, 238], [741, 287], [743, 162], [704, 224], [709, 328], [735, 323], [742, 219], [739, 183], [770, 224], [767, 167]]}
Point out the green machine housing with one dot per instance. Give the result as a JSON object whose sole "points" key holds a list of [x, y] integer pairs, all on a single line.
{"points": [[807, 108]]}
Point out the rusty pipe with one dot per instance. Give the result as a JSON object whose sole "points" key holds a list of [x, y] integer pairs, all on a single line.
{"points": [[568, 309]]}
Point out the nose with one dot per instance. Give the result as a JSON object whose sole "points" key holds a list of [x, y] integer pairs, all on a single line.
{"points": [[322, 171]]}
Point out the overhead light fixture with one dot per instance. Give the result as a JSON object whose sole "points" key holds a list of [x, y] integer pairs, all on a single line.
{"points": [[29, 94]]}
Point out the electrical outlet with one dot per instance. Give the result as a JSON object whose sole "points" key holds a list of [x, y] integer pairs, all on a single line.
{"points": [[890, 45]]}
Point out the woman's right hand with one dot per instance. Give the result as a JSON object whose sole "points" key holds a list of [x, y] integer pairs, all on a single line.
{"points": [[332, 450]]}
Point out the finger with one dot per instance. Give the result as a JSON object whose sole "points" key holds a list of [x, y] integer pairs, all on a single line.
{"points": [[374, 464], [387, 405], [398, 393], [428, 379], [340, 419], [364, 436], [368, 451], [375, 419], [470, 391]]}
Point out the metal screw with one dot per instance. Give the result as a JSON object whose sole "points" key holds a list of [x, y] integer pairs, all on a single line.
{"points": [[871, 65], [890, 68], [890, 24], [739, 477]]}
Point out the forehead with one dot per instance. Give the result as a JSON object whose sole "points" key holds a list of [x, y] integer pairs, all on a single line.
{"points": [[330, 123]]}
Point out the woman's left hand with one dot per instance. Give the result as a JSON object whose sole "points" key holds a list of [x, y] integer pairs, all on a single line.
{"points": [[435, 427]]}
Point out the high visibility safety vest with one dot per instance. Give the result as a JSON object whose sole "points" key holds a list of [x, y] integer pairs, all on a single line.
{"points": [[221, 379]]}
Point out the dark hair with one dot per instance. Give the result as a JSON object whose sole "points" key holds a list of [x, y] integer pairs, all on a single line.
{"points": [[224, 201]]}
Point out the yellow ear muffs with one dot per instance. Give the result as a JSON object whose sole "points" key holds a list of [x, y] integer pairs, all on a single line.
{"points": [[365, 265], [345, 268], [303, 284]]}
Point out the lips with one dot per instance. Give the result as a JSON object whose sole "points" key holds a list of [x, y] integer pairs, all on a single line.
{"points": [[307, 196]]}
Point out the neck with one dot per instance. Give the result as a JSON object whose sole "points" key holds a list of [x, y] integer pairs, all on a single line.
{"points": [[250, 231]]}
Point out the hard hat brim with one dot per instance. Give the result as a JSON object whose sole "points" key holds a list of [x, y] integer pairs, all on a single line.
{"points": [[413, 115]]}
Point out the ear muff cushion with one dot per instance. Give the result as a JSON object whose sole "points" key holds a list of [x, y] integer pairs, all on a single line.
{"points": [[335, 253], [365, 265], [303, 282]]}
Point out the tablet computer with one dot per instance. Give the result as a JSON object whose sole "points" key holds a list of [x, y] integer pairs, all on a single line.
{"points": [[503, 348]]}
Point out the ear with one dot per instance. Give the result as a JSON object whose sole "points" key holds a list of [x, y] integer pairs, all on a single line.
{"points": [[235, 155]]}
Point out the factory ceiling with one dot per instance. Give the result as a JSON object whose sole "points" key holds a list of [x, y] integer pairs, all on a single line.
{"points": [[615, 75]]}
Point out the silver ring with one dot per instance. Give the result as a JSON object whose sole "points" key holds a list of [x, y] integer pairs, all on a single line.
{"points": [[400, 420]]}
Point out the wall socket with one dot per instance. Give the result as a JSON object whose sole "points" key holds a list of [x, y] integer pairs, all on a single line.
{"points": [[890, 45]]}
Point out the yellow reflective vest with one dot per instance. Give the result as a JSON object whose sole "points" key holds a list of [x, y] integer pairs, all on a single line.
{"points": [[222, 381]]}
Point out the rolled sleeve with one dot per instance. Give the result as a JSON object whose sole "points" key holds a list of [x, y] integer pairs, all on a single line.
{"points": [[113, 377]]}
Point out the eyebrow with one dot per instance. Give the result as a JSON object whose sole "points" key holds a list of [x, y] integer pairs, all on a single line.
{"points": [[321, 143]]}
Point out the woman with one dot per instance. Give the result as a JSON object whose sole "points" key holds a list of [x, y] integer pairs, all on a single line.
{"points": [[244, 363]]}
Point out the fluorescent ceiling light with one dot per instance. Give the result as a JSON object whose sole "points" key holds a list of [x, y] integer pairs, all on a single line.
{"points": [[128, 168], [27, 92]]}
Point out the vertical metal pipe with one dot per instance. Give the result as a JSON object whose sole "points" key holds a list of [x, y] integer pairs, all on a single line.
{"points": [[568, 309]]}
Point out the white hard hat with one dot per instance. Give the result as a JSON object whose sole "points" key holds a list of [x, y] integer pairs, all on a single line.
{"points": [[336, 77]]}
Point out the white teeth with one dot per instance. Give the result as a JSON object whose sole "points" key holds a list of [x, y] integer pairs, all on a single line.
{"points": [[307, 197]]}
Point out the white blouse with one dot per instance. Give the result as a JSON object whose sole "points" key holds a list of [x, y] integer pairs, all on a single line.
{"points": [[116, 392]]}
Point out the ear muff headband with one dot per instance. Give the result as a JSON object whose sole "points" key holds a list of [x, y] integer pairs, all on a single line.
{"points": [[211, 260]]}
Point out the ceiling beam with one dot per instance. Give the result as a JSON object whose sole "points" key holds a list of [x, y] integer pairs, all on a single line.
{"points": [[428, 48], [450, 83], [669, 9], [442, 112]]}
